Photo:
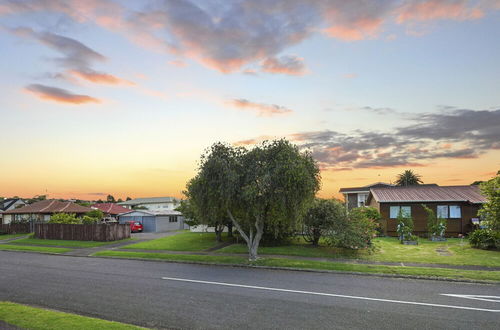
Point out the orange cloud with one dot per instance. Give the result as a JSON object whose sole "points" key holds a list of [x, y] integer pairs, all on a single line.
{"points": [[291, 65], [59, 95], [357, 30], [100, 78], [262, 109], [437, 9]]}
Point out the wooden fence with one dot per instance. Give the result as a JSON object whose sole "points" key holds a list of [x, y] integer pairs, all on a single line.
{"points": [[15, 228], [98, 232]]}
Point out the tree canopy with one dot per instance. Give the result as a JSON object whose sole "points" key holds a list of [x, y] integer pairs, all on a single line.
{"points": [[323, 216], [490, 211], [408, 178], [270, 185]]}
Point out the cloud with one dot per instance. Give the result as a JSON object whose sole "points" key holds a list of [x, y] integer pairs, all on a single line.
{"points": [[59, 95], [438, 9], [291, 65], [262, 109], [254, 141], [230, 36], [77, 58], [451, 134]]}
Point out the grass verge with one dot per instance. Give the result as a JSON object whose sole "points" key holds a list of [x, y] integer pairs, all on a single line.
{"points": [[65, 243], [7, 236], [27, 317], [43, 249], [314, 265], [388, 249], [181, 242]]}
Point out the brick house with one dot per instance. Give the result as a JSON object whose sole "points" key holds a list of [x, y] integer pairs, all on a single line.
{"points": [[357, 196]]}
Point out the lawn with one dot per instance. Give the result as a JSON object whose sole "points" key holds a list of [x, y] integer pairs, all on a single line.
{"points": [[27, 317], [186, 241], [388, 249], [7, 236], [65, 243], [44, 249], [307, 264]]}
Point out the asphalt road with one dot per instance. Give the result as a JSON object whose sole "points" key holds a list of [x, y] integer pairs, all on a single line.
{"points": [[163, 295]]}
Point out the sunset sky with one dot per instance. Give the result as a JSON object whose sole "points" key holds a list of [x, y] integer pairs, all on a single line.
{"points": [[105, 97]]}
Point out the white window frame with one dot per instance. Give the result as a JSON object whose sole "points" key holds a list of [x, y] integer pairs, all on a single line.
{"points": [[362, 199]]}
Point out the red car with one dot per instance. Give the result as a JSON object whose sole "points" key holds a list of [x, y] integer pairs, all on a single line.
{"points": [[135, 226]]}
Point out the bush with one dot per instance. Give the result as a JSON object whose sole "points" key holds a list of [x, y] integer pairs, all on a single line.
{"points": [[65, 218], [87, 220], [323, 216], [357, 233], [435, 226], [485, 239], [405, 227]]}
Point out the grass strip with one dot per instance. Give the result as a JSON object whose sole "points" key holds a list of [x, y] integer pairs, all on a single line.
{"points": [[66, 243], [187, 241], [7, 236], [28, 317], [315, 265], [45, 249], [174, 257]]}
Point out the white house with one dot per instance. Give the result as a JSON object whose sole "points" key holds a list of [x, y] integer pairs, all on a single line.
{"points": [[10, 204], [155, 204]]}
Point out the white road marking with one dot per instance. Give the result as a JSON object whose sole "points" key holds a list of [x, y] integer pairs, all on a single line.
{"points": [[474, 297], [331, 294]]}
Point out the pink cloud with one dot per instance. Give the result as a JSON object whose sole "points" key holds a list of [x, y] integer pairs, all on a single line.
{"points": [[262, 109], [438, 9], [59, 95], [100, 78], [357, 30], [290, 65]]}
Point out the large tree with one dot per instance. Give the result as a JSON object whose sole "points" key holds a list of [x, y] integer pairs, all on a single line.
{"points": [[408, 178], [269, 186]]}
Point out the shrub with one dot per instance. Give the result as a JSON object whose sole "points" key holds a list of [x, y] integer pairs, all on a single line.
{"points": [[65, 218], [98, 214], [356, 233], [485, 239], [435, 226], [323, 216], [405, 227], [87, 220]]}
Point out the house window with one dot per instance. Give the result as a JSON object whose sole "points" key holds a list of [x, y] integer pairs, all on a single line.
{"points": [[442, 211], [394, 211], [362, 199], [455, 211], [172, 218]]}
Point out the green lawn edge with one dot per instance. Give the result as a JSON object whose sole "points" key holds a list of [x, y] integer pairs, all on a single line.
{"points": [[313, 265], [186, 241], [34, 318], [65, 243], [43, 249]]}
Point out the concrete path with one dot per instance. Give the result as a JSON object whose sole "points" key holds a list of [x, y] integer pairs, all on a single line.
{"points": [[6, 241]]}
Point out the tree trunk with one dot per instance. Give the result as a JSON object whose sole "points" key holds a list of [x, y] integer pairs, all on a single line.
{"points": [[218, 232], [251, 239], [230, 229]]}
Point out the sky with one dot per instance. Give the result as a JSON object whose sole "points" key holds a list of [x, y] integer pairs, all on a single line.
{"points": [[103, 97]]}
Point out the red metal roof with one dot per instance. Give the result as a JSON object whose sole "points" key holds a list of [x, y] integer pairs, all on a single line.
{"points": [[50, 206], [427, 193], [111, 208]]}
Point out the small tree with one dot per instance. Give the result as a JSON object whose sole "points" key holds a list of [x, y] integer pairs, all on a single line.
{"points": [[110, 199], [405, 227], [436, 227], [409, 178], [322, 217], [490, 212]]}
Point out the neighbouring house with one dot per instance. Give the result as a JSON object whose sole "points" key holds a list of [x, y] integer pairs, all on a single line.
{"points": [[110, 210], [152, 203], [357, 196], [155, 221], [10, 204], [43, 210], [457, 204]]}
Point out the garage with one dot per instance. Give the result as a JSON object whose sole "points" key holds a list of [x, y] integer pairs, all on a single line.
{"points": [[155, 222]]}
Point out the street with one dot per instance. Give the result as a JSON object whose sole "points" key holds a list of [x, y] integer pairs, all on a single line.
{"points": [[170, 295]]}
